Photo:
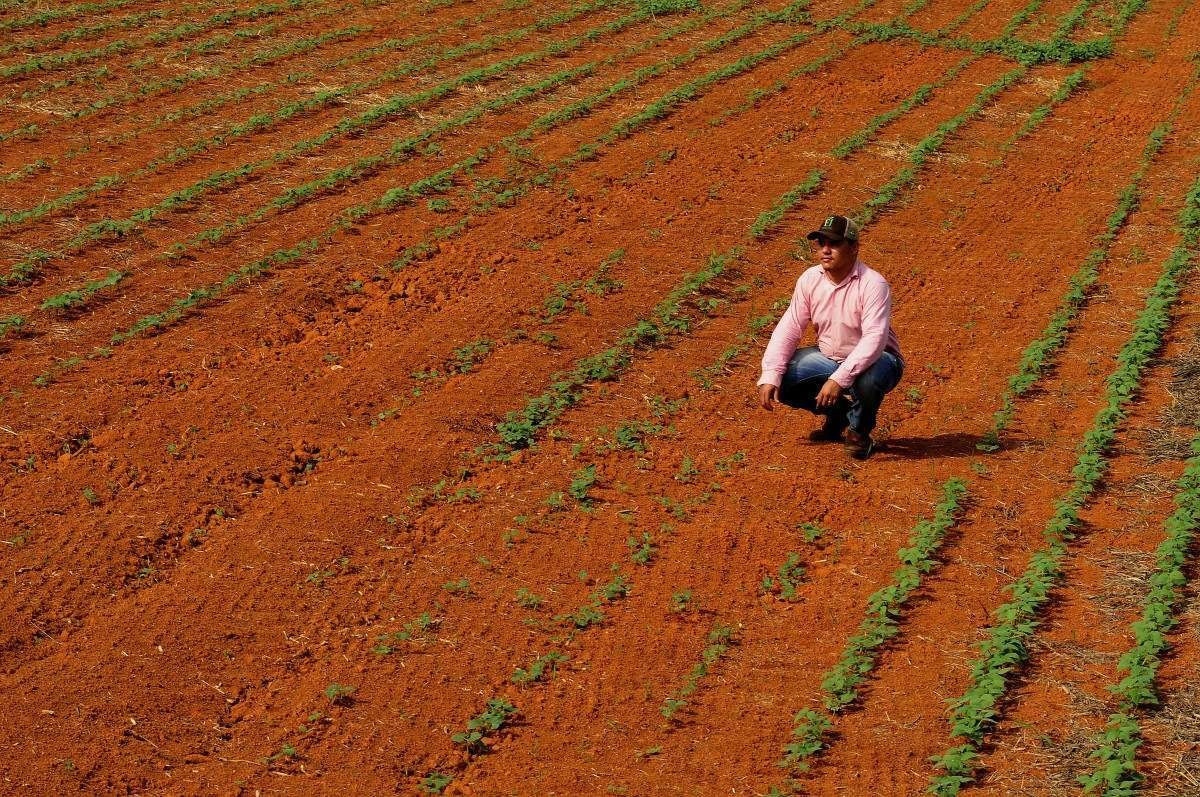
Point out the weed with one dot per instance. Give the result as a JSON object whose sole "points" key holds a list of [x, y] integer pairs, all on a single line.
{"points": [[286, 750], [413, 631], [676, 509], [10, 323], [583, 617], [727, 464], [317, 577], [616, 589]]}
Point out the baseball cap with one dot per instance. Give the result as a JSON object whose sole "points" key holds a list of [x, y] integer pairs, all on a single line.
{"points": [[836, 229]]}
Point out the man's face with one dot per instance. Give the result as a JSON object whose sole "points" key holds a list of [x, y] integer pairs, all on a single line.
{"points": [[835, 257]]}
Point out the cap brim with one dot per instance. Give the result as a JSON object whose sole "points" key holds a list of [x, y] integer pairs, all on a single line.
{"points": [[815, 234]]}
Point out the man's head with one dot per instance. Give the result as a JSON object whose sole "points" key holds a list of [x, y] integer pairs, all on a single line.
{"points": [[836, 244]]}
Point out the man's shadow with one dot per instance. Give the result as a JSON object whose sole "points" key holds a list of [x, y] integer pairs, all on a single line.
{"points": [[955, 444]]}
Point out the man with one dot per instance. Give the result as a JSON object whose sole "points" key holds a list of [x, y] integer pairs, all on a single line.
{"points": [[857, 357]]}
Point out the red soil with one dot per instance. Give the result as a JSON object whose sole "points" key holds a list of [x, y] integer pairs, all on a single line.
{"points": [[209, 526]]}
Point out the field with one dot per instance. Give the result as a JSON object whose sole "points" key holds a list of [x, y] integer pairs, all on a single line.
{"points": [[378, 409]]}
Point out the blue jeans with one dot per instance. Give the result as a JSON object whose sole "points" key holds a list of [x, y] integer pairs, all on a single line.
{"points": [[807, 372]]}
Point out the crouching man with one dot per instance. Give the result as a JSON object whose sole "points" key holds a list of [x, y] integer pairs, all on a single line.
{"points": [[857, 357]]}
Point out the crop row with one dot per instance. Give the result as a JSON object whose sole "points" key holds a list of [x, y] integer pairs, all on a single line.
{"points": [[194, 298], [402, 149], [254, 124], [323, 70], [840, 684], [88, 31], [176, 83], [289, 255], [32, 264], [439, 181], [1005, 648], [1115, 772], [539, 410], [542, 408], [1038, 356], [758, 95], [34, 261], [265, 121], [48, 63], [47, 16], [100, 76]]}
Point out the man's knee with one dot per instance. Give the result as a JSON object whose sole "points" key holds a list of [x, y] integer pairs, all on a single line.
{"points": [[879, 379], [808, 363]]}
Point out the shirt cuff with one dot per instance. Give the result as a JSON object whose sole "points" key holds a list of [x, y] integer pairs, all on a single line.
{"points": [[770, 379], [842, 378]]}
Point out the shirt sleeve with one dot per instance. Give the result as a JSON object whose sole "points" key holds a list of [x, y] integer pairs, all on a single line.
{"points": [[876, 320], [787, 334]]}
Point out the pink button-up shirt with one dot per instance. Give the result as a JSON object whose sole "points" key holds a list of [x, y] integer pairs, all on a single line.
{"points": [[853, 321]]}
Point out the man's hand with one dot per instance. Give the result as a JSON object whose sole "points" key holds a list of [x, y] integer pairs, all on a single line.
{"points": [[767, 396], [830, 392]]}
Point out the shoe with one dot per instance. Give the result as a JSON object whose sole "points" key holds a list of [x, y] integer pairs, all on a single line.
{"points": [[859, 446], [825, 434]]}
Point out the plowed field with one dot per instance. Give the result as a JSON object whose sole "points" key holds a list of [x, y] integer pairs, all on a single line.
{"points": [[378, 409]]}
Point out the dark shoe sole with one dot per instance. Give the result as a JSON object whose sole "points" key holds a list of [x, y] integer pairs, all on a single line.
{"points": [[824, 435], [862, 450]]}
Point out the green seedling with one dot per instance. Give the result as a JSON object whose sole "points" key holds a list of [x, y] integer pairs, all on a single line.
{"points": [[527, 600], [339, 694], [786, 581], [539, 668], [459, 586], [682, 601], [492, 719], [642, 551]]}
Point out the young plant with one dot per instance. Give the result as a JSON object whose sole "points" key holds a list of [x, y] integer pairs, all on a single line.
{"points": [[538, 669], [642, 551], [338, 694], [435, 782], [497, 714], [786, 581], [459, 586], [581, 483], [527, 600], [1005, 648]]}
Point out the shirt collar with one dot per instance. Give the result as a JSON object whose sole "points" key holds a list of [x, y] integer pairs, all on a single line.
{"points": [[856, 272]]}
